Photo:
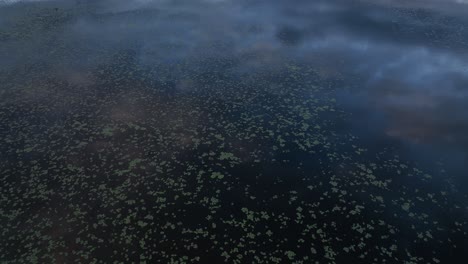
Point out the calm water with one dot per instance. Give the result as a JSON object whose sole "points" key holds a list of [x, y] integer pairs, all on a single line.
{"points": [[211, 131]]}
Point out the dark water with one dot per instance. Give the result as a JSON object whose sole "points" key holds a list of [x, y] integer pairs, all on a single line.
{"points": [[243, 131]]}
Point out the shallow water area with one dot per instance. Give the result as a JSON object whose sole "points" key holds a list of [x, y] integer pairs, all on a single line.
{"points": [[212, 131]]}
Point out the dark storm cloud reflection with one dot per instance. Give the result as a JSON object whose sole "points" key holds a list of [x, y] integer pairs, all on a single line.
{"points": [[403, 67]]}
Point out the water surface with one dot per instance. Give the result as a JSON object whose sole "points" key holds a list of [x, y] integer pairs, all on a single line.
{"points": [[233, 131]]}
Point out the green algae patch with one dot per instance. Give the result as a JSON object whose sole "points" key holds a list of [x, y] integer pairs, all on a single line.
{"points": [[217, 175]]}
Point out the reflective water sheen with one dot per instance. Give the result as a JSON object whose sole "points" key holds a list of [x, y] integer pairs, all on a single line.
{"points": [[210, 131]]}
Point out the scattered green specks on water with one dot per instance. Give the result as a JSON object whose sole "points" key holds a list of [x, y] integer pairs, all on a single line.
{"points": [[187, 132]]}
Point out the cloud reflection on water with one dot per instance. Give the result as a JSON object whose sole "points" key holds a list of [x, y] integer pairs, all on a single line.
{"points": [[405, 59]]}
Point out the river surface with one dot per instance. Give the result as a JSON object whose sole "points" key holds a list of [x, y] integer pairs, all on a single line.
{"points": [[212, 131]]}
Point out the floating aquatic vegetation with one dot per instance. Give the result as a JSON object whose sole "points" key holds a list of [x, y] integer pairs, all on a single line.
{"points": [[194, 160]]}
